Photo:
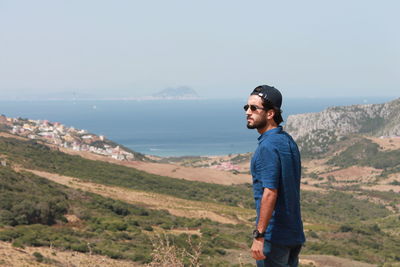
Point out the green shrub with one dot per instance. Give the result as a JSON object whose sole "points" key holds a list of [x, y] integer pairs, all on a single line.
{"points": [[81, 247], [28, 199], [38, 256], [345, 228], [148, 228]]}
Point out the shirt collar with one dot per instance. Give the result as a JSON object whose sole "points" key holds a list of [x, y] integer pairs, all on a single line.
{"points": [[269, 132]]}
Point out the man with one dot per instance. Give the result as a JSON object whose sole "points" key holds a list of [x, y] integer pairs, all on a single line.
{"points": [[276, 168]]}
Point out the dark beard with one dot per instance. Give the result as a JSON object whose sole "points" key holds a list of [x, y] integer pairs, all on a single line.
{"points": [[258, 125]]}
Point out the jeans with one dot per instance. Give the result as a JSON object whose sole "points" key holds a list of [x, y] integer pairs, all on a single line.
{"points": [[280, 255]]}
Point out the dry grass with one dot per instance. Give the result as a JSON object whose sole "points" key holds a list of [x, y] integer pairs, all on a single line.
{"points": [[312, 188], [386, 143], [331, 261], [383, 188], [166, 254], [24, 257], [176, 206], [316, 166], [354, 173], [8, 135], [172, 170]]}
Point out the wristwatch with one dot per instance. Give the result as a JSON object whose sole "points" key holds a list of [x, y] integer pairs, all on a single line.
{"points": [[257, 234]]}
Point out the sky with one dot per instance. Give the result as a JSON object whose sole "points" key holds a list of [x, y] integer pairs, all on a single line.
{"points": [[223, 48]]}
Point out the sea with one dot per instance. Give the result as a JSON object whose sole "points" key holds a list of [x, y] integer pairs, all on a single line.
{"points": [[169, 128]]}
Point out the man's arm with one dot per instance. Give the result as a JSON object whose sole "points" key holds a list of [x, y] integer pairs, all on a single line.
{"points": [[267, 207]]}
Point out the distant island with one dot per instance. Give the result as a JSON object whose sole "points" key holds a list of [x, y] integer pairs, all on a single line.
{"points": [[170, 93], [179, 93]]}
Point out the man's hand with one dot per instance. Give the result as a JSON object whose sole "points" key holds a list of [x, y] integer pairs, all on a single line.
{"points": [[257, 249]]}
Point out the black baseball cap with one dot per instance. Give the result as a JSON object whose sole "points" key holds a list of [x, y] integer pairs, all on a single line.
{"points": [[270, 94]]}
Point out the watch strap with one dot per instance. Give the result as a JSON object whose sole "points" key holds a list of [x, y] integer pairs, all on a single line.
{"points": [[257, 234]]}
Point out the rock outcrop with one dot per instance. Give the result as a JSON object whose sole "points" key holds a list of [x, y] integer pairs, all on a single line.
{"points": [[316, 131]]}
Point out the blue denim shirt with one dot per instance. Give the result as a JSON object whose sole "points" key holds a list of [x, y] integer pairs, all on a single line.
{"points": [[276, 165]]}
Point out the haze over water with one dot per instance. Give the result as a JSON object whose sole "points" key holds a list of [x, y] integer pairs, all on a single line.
{"points": [[168, 128]]}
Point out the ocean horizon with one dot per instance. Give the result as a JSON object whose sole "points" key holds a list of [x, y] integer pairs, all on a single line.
{"points": [[169, 128]]}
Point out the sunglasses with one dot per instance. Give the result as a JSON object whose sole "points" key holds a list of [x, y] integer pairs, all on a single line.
{"points": [[252, 107]]}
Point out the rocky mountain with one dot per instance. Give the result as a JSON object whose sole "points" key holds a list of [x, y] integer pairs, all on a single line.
{"points": [[314, 132]]}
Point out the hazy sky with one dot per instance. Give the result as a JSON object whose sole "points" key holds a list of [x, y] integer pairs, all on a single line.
{"points": [[219, 48]]}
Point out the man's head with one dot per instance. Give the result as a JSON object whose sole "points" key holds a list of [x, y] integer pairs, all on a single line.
{"points": [[264, 108]]}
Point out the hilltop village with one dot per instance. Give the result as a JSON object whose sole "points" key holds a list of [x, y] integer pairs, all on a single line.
{"points": [[79, 140], [63, 136]]}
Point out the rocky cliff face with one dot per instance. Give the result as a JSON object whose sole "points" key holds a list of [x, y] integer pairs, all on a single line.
{"points": [[316, 131]]}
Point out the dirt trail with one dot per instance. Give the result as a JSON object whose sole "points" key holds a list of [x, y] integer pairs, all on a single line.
{"points": [[308, 187], [176, 206], [23, 257], [7, 135], [354, 173], [172, 170], [207, 175], [331, 261]]}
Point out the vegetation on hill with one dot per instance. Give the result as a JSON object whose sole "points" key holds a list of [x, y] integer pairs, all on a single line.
{"points": [[314, 131], [338, 207], [103, 226], [341, 225], [366, 153], [187, 161], [33, 155], [363, 242], [333, 220], [312, 146], [24, 200]]}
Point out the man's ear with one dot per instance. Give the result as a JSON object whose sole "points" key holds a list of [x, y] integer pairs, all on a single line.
{"points": [[270, 114]]}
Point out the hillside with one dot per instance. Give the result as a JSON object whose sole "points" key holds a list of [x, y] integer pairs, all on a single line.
{"points": [[315, 132], [39, 212], [33, 155], [117, 204]]}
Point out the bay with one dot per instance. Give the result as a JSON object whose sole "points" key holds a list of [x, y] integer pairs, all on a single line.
{"points": [[169, 127]]}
